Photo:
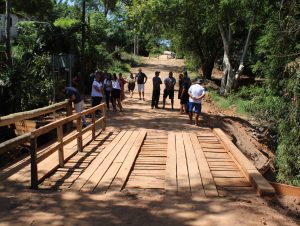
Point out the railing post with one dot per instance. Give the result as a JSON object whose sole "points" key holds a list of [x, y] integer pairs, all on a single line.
{"points": [[69, 112], [104, 117], [61, 148], [94, 127], [33, 160], [79, 130]]}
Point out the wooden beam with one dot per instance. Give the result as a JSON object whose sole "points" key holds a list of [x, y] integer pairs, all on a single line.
{"points": [[182, 167], [124, 172], [194, 173], [171, 167], [84, 177], [258, 181], [210, 188]]}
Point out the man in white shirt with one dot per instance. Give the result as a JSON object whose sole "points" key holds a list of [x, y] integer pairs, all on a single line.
{"points": [[196, 94]]}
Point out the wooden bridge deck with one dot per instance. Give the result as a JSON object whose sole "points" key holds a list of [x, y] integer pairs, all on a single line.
{"points": [[197, 164]]}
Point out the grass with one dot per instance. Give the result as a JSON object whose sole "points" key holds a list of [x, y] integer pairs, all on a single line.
{"points": [[232, 102]]}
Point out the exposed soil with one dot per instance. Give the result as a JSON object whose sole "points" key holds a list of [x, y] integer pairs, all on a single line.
{"points": [[25, 207]]}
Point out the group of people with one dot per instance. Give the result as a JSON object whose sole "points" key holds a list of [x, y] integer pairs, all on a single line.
{"points": [[190, 95], [112, 88]]}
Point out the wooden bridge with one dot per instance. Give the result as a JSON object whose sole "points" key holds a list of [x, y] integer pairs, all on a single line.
{"points": [[97, 160]]}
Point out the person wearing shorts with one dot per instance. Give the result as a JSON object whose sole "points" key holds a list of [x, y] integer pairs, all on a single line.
{"points": [[169, 89], [131, 84], [116, 93], [184, 95], [74, 96], [141, 79], [196, 93]]}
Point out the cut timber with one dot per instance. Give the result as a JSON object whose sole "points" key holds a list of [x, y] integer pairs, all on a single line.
{"points": [[83, 178], [105, 164], [120, 179], [194, 174], [111, 172], [207, 178], [260, 183], [171, 172], [182, 167]]}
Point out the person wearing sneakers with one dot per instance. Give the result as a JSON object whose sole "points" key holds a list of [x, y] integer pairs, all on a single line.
{"points": [[156, 90], [97, 91], [196, 93], [169, 89], [74, 96], [141, 79]]}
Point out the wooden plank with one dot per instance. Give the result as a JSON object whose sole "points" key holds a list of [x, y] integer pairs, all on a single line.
{"points": [[260, 183], [105, 164], [111, 172], [210, 155], [83, 178], [123, 174], [194, 174], [207, 178], [232, 182], [226, 173], [171, 165], [182, 167]]}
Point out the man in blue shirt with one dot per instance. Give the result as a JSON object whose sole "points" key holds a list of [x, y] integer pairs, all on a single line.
{"points": [[75, 97]]}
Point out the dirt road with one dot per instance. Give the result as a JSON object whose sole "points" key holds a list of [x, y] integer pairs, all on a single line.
{"points": [[144, 207]]}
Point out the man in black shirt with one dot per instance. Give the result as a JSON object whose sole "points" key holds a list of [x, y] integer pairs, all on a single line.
{"points": [[156, 90], [169, 89], [141, 79]]}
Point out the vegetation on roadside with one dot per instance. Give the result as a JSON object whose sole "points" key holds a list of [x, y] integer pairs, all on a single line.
{"points": [[247, 37]]}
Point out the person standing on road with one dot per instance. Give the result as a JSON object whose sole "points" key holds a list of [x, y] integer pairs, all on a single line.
{"points": [[156, 90], [107, 89], [184, 96], [122, 83], [141, 79], [131, 84], [97, 91], [196, 94], [116, 93], [74, 96], [169, 89]]}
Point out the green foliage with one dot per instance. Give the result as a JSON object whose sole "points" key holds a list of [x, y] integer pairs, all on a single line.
{"points": [[66, 23]]}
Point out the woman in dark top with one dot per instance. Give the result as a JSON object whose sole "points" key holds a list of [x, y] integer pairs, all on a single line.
{"points": [[184, 98], [180, 81]]}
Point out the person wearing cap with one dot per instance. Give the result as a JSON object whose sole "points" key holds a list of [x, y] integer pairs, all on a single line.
{"points": [[156, 90], [169, 89], [141, 79], [196, 93]]}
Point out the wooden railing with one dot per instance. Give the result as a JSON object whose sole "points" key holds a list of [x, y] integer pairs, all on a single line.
{"points": [[62, 140], [12, 118], [20, 116]]}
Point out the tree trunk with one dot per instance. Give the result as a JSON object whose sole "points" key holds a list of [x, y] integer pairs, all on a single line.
{"points": [[241, 64], [7, 32], [228, 75], [207, 66]]}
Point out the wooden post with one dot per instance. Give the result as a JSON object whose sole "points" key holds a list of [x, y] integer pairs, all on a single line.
{"points": [[94, 127], [69, 112], [104, 116], [60, 136], [79, 130], [33, 160]]}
